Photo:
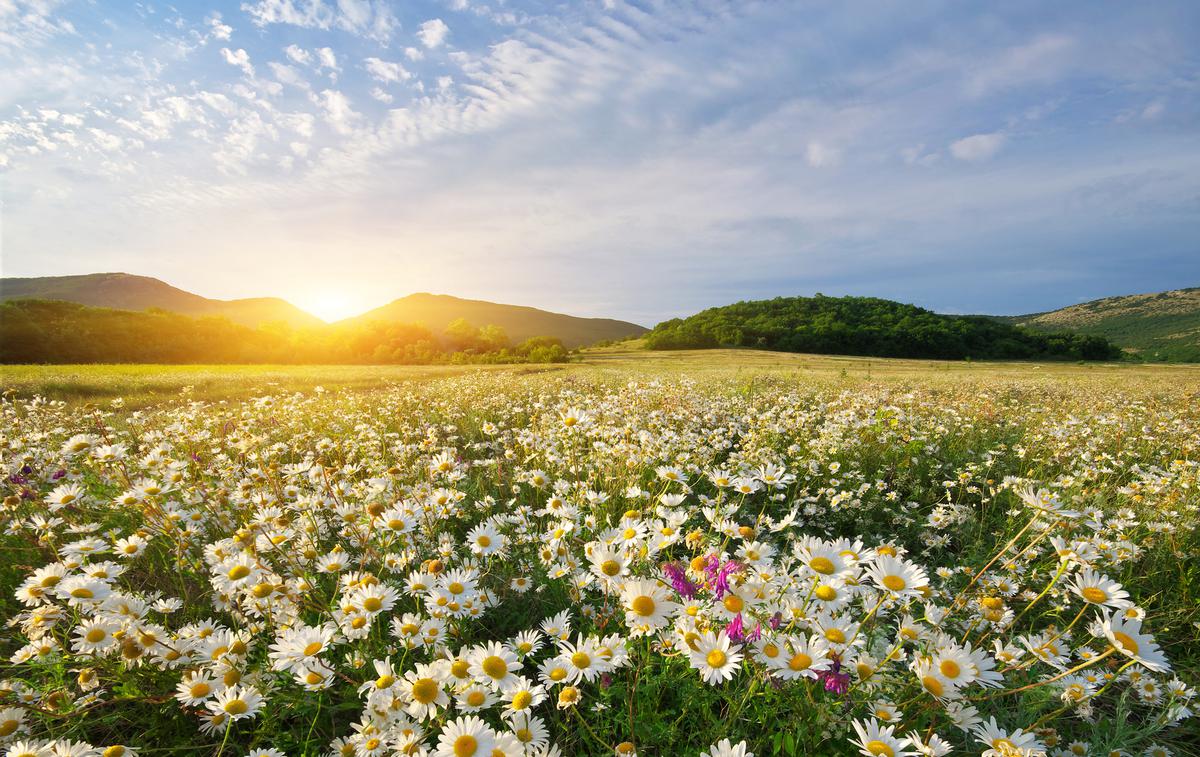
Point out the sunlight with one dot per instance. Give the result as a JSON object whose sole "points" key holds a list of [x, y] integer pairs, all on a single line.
{"points": [[330, 306]]}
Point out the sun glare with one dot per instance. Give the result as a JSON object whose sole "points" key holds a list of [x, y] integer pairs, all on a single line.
{"points": [[330, 306]]}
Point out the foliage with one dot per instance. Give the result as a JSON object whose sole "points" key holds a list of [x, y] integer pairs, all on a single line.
{"points": [[868, 326], [1159, 327], [42, 331]]}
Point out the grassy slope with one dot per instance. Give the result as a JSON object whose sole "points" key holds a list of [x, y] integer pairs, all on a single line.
{"points": [[436, 311], [1163, 325]]}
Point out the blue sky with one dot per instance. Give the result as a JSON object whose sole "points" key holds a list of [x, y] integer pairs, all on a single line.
{"points": [[631, 159]]}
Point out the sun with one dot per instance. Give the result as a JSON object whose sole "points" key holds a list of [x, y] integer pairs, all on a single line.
{"points": [[330, 306]]}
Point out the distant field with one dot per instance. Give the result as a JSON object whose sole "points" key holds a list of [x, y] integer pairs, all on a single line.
{"points": [[143, 385]]}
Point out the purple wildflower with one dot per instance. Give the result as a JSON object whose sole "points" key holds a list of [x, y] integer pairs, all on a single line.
{"points": [[776, 621], [679, 580], [58, 474], [734, 630], [836, 682]]}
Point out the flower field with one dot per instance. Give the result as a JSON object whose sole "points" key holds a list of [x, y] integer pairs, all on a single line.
{"points": [[597, 562]]}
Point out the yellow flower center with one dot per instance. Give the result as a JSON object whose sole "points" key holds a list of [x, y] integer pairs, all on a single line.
{"points": [[835, 635], [950, 668], [372, 604], [879, 748], [238, 572], [424, 690], [475, 698], [643, 606], [312, 649], [894, 583], [465, 745], [933, 685], [581, 660], [821, 565], [1095, 595], [521, 700], [610, 567], [96, 635], [236, 707], [715, 658], [1126, 641], [494, 667], [733, 603], [800, 661], [826, 593], [198, 690]]}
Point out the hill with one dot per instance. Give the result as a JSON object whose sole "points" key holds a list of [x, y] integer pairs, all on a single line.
{"points": [[437, 311], [868, 326], [1158, 326], [125, 291], [54, 331]]}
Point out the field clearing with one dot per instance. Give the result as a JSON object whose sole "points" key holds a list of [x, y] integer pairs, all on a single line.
{"points": [[144, 385], [635, 553]]}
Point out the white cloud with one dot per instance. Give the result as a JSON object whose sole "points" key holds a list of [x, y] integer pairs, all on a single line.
{"points": [[413, 53], [307, 13], [288, 75], [239, 58], [821, 155], [298, 54], [380, 95], [326, 59], [1040, 59], [219, 29], [433, 33], [977, 147], [1154, 110], [382, 70], [338, 113], [368, 18]]}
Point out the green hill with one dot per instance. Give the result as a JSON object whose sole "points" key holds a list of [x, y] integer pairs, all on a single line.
{"points": [[868, 326], [437, 311], [1158, 326], [125, 291]]}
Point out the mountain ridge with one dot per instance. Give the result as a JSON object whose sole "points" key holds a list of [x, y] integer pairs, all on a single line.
{"points": [[125, 291]]}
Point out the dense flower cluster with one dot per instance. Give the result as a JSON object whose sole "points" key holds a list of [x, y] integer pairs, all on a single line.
{"points": [[462, 568]]}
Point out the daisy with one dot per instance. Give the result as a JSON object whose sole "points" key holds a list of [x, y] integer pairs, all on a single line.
{"points": [[714, 658], [466, 737], [1001, 743], [724, 748], [1127, 638], [237, 702], [879, 741], [422, 689], [898, 577], [648, 606], [803, 658], [1097, 589], [493, 664], [521, 695]]}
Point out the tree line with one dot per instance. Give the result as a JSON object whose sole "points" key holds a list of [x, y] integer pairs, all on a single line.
{"points": [[45, 331], [872, 327]]}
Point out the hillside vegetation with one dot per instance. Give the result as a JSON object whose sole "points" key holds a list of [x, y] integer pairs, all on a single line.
{"points": [[1162, 326], [868, 326], [44, 331], [128, 292], [437, 311]]}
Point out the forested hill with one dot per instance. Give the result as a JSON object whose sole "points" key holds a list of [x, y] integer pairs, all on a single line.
{"points": [[869, 326], [1159, 326]]}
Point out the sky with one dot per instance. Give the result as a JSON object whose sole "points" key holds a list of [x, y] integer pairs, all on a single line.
{"points": [[638, 160]]}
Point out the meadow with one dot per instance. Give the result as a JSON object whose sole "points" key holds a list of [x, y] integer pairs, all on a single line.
{"points": [[712, 552]]}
